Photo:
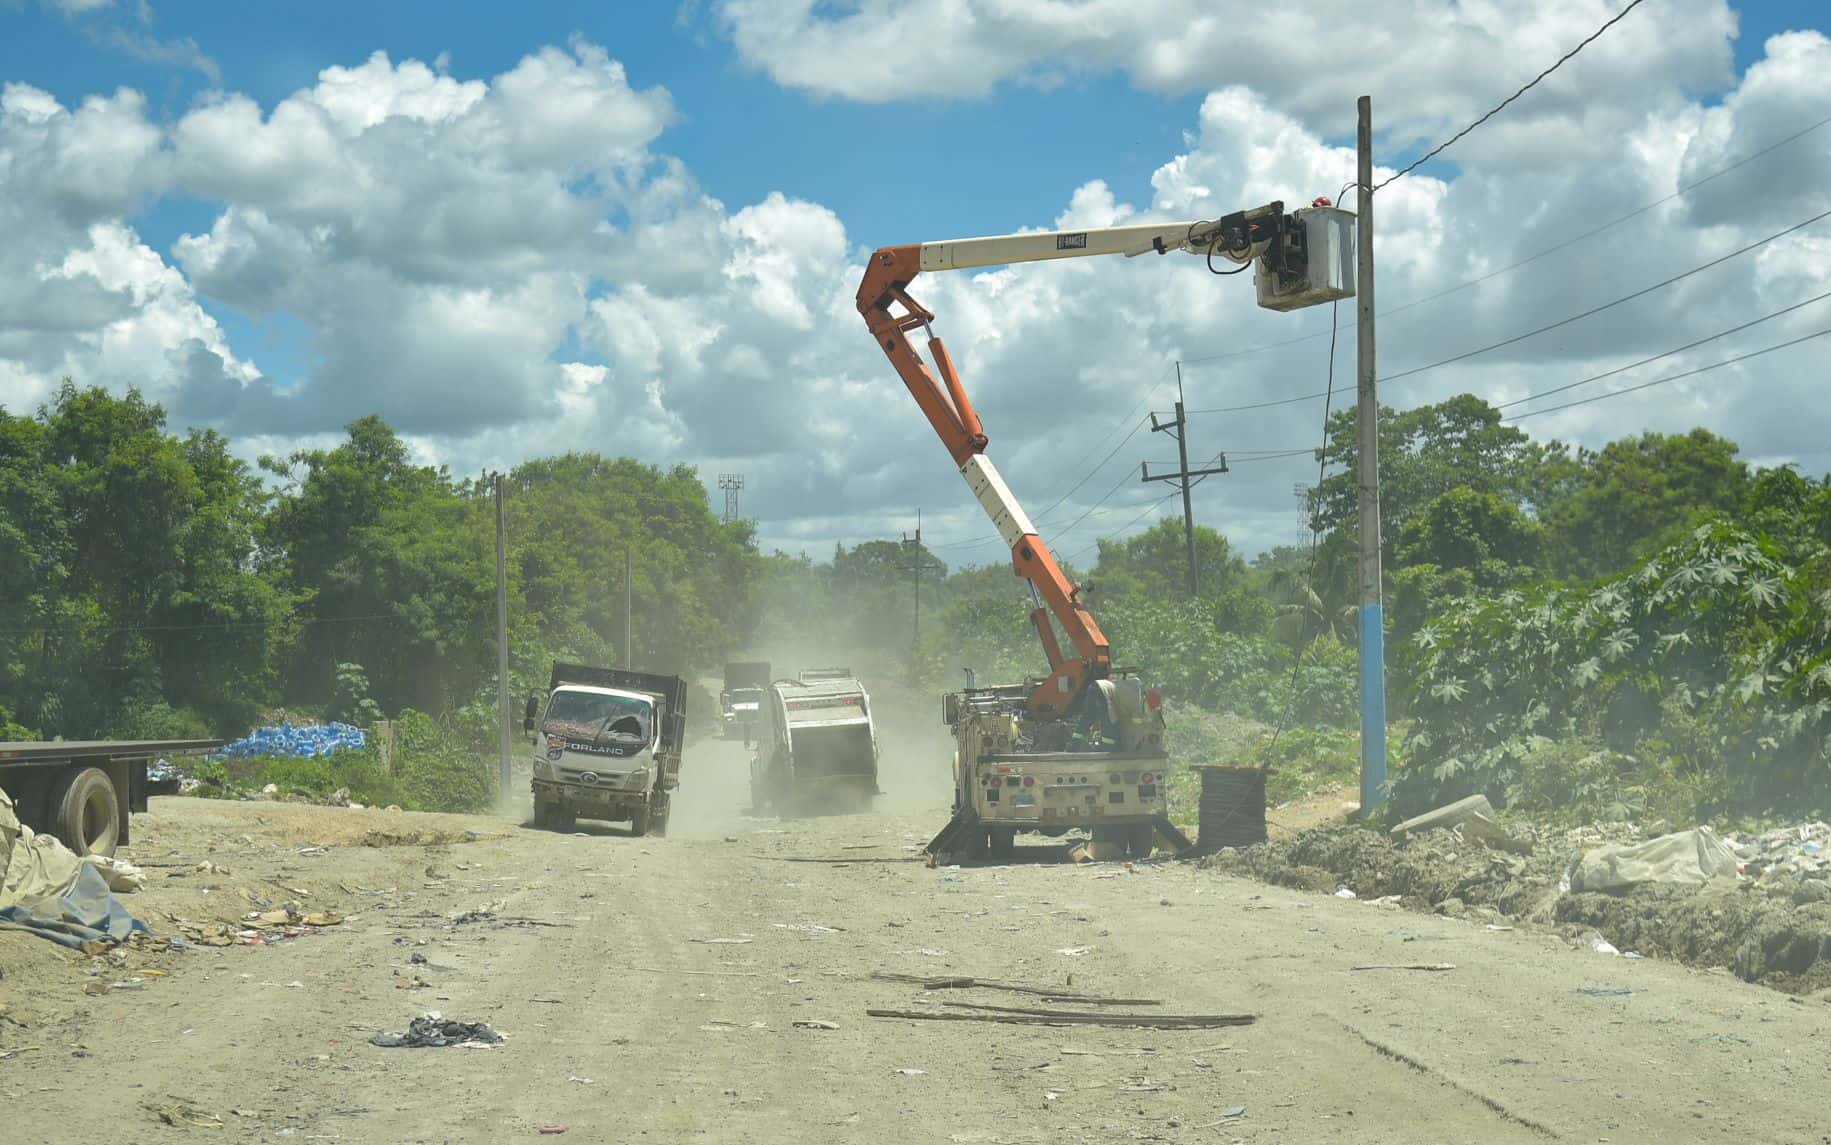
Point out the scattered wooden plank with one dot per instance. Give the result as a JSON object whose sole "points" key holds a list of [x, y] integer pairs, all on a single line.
{"points": [[707, 973], [1435, 966], [1046, 1018], [1047, 993]]}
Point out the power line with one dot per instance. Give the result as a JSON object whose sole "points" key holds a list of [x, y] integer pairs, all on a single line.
{"points": [[1594, 310], [1671, 377], [1667, 354], [1109, 456], [1497, 108], [1680, 192], [213, 627]]}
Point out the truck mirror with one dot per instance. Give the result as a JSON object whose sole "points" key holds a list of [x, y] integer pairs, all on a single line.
{"points": [[950, 709], [528, 714]]}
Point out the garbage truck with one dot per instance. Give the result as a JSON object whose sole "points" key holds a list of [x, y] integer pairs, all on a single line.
{"points": [[606, 746], [816, 745], [742, 698]]}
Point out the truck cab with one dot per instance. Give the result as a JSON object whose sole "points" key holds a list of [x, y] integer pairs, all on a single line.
{"points": [[607, 746], [741, 701]]}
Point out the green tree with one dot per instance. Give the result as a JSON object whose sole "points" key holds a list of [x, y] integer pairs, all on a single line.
{"points": [[1154, 564], [1638, 494], [1425, 453]]}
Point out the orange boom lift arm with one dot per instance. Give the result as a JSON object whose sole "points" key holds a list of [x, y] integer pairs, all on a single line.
{"points": [[1281, 244]]}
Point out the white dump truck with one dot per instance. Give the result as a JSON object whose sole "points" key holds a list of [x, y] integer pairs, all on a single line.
{"points": [[816, 745], [607, 746]]}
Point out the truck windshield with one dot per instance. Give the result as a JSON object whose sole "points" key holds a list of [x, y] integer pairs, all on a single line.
{"points": [[588, 715], [747, 696]]}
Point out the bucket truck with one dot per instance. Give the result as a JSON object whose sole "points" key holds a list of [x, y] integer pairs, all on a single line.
{"points": [[1083, 746]]}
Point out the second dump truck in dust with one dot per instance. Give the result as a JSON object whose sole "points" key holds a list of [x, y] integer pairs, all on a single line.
{"points": [[816, 744]]}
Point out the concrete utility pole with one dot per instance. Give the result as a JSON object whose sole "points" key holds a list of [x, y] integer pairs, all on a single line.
{"points": [[1367, 414], [502, 631], [1178, 428], [629, 610]]}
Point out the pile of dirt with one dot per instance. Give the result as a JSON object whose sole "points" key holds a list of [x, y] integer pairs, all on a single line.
{"points": [[1433, 870], [1775, 931], [1762, 937]]}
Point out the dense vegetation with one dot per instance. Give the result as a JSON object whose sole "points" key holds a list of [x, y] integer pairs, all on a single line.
{"points": [[1581, 631]]}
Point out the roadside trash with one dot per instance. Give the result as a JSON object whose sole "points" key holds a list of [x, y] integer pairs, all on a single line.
{"points": [[815, 1024], [1025, 1016], [1234, 1111], [1684, 858], [298, 741], [912, 1072], [722, 941], [122, 876], [1074, 951], [208, 868], [184, 1115], [1498, 926], [552, 1129], [1344, 893], [1473, 818], [432, 1030], [1603, 946], [47, 890]]}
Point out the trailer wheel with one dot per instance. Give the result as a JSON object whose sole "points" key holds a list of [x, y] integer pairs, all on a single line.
{"points": [[1141, 838], [85, 813]]}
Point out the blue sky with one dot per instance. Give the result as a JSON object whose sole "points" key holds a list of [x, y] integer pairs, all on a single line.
{"points": [[884, 153], [895, 172]]}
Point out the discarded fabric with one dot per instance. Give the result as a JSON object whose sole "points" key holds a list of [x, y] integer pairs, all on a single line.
{"points": [[433, 1031]]}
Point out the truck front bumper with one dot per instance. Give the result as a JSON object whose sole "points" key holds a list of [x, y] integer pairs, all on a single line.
{"points": [[590, 802]]}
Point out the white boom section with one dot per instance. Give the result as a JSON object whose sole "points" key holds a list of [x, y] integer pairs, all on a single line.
{"points": [[995, 497], [960, 254]]}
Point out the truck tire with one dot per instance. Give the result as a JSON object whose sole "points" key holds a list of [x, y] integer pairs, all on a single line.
{"points": [[638, 823], [84, 811], [543, 815], [658, 822], [1003, 842], [561, 820]]}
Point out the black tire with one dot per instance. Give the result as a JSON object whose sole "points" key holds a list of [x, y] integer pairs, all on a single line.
{"points": [[85, 813], [1003, 842], [658, 822], [638, 823], [561, 820], [543, 815]]}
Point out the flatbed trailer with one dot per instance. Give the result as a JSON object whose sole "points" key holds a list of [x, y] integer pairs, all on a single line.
{"points": [[84, 791]]}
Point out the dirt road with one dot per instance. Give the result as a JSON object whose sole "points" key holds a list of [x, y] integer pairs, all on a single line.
{"points": [[650, 990]]}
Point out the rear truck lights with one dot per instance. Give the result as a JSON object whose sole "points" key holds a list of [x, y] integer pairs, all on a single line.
{"points": [[994, 781], [1147, 777], [1029, 781]]}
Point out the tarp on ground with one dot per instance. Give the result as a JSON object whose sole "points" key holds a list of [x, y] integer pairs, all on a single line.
{"points": [[1684, 858], [48, 890]]}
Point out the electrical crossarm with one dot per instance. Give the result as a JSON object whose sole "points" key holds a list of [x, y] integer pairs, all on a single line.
{"points": [[1301, 261]]}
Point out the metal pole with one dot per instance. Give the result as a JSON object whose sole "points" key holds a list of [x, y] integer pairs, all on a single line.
{"points": [[502, 631], [629, 611], [915, 640], [1182, 456], [1372, 611]]}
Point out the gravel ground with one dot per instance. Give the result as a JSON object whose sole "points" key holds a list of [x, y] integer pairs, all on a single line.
{"points": [[712, 986]]}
